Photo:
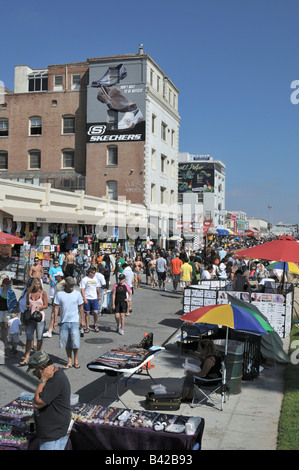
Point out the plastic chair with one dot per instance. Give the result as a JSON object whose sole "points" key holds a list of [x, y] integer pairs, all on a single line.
{"points": [[206, 388]]}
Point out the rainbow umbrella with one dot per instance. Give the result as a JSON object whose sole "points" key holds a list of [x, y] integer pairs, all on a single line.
{"points": [[286, 266], [232, 316]]}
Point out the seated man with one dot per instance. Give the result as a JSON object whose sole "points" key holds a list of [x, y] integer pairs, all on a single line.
{"points": [[210, 367]]}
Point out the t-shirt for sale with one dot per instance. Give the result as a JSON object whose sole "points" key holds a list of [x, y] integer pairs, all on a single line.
{"points": [[89, 285]]}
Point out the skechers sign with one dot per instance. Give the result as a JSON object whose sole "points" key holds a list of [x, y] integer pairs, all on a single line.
{"points": [[100, 133], [116, 101]]}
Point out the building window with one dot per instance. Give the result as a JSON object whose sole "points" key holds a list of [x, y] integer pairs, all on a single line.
{"points": [[163, 163], [153, 161], [162, 195], [153, 192], [151, 77], [34, 160], [173, 138], [163, 131], [158, 84], [35, 126], [172, 169], [3, 127], [112, 189], [76, 82], [58, 83], [38, 81], [153, 124], [3, 160], [68, 158], [200, 197], [68, 124], [112, 155]]}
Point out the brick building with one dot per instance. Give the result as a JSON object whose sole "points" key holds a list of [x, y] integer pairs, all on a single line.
{"points": [[108, 125]]}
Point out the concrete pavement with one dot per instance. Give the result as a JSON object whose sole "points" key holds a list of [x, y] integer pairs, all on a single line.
{"points": [[249, 420]]}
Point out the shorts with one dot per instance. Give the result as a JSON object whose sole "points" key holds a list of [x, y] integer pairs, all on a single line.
{"points": [[14, 338], [35, 326], [161, 276], [185, 283], [3, 316], [121, 306], [52, 291], [69, 335], [176, 277], [92, 305]]}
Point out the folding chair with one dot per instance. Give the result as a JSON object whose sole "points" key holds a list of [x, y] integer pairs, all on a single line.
{"points": [[204, 388]]}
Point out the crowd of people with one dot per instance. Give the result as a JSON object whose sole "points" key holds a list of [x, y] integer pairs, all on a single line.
{"points": [[72, 309], [111, 278]]}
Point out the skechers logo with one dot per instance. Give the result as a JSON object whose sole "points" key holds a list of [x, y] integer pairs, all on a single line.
{"points": [[96, 130]]}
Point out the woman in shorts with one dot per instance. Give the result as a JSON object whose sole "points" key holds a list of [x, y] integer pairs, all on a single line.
{"points": [[37, 301]]}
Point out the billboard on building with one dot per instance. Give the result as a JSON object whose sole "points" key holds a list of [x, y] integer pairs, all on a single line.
{"points": [[116, 102], [196, 177]]}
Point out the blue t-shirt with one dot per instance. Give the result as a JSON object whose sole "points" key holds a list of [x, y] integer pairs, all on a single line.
{"points": [[53, 271], [69, 303]]}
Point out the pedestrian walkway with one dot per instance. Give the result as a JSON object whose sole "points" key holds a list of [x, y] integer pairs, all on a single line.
{"points": [[249, 420]]}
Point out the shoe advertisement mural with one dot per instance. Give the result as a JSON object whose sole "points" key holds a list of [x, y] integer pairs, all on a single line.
{"points": [[116, 102]]}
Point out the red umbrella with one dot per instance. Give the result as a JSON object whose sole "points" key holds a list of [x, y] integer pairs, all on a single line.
{"points": [[7, 239], [281, 249]]}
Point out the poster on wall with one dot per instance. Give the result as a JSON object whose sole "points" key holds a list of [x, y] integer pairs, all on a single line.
{"points": [[196, 177], [116, 102]]}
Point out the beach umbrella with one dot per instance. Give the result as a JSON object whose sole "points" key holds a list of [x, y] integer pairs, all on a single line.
{"points": [[287, 266], [7, 239], [283, 249], [222, 231], [231, 316]]}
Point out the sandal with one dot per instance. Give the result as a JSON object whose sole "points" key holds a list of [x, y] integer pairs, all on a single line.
{"points": [[96, 329], [23, 363], [86, 330], [67, 366], [77, 366]]}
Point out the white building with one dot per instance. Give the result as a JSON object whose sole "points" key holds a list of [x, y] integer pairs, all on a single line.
{"points": [[201, 190]]}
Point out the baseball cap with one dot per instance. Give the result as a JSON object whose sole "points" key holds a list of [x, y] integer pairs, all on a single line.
{"points": [[70, 281], [59, 273], [38, 359], [121, 276]]}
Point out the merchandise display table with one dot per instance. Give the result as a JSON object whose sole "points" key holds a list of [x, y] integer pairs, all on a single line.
{"points": [[104, 428], [127, 359], [101, 428]]}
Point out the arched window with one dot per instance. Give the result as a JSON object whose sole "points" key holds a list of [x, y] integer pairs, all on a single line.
{"points": [[68, 158], [34, 159], [112, 189], [112, 155]]}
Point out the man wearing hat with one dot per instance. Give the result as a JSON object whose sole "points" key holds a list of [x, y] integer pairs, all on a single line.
{"points": [[70, 303], [52, 410]]}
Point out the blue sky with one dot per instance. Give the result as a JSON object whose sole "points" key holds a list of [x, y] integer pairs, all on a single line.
{"points": [[232, 60]]}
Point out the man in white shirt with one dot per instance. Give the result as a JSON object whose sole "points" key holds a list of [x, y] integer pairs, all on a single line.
{"points": [[207, 273], [102, 285], [129, 281], [161, 271], [70, 303], [90, 291]]}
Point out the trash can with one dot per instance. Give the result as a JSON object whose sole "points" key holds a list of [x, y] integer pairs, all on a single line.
{"points": [[252, 353], [234, 364]]}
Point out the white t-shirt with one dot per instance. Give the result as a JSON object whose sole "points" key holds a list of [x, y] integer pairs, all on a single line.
{"points": [[14, 325], [90, 284], [101, 279], [205, 275], [129, 276], [69, 303]]}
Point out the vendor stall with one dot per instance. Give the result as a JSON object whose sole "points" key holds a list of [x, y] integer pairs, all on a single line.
{"points": [[104, 428]]}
